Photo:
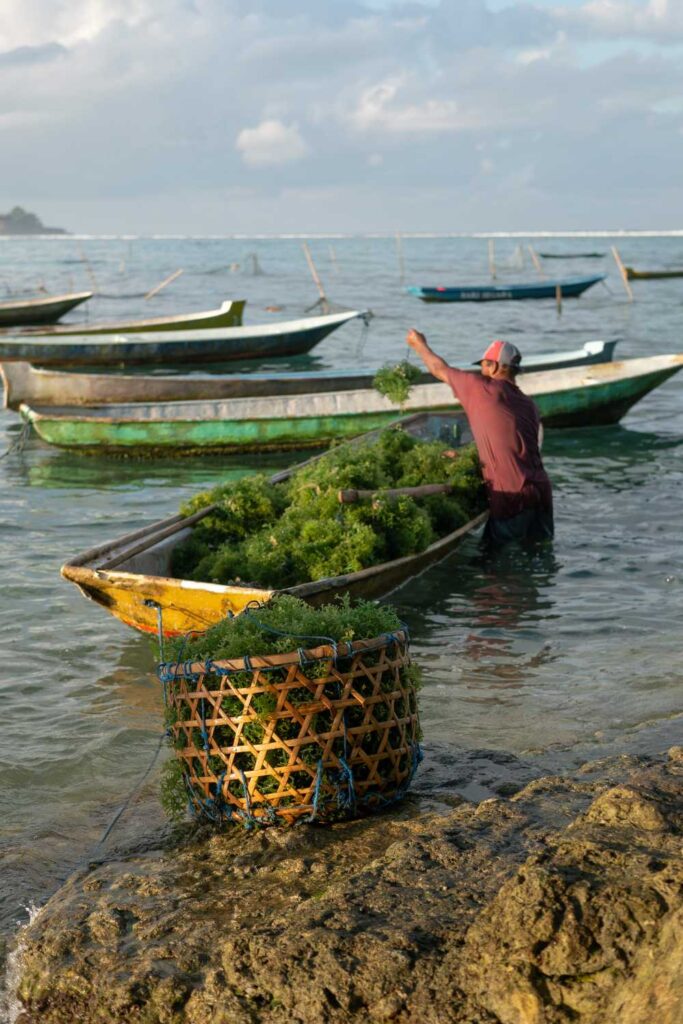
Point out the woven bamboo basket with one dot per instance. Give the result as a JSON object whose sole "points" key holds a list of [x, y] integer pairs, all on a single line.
{"points": [[319, 734]]}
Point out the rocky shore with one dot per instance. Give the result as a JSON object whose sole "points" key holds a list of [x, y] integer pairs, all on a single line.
{"points": [[560, 903]]}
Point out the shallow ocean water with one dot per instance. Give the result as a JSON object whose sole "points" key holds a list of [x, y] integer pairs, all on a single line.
{"points": [[554, 656]]}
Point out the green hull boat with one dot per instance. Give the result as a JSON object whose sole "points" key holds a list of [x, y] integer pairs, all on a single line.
{"points": [[228, 315], [576, 397]]}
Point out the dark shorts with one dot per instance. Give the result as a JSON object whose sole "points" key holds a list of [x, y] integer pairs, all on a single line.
{"points": [[531, 524]]}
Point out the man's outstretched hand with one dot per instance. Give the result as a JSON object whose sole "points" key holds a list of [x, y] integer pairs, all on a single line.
{"points": [[415, 339], [437, 366]]}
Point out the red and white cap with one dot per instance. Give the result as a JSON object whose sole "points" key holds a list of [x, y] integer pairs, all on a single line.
{"points": [[502, 352]]}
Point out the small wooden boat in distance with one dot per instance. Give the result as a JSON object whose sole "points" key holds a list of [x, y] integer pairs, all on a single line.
{"points": [[45, 387], [569, 287], [572, 255], [575, 397], [228, 315], [213, 345], [651, 275], [129, 576], [39, 311]]}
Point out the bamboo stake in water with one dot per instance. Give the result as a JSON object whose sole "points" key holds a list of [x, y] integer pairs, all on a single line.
{"points": [[558, 298], [162, 284], [91, 273], [401, 265], [535, 260], [492, 258], [333, 260], [622, 271], [322, 301]]}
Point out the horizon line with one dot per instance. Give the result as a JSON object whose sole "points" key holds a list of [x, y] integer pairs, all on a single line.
{"points": [[157, 236]]}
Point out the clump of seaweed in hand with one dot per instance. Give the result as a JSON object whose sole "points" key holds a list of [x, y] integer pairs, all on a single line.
{"points": [[395, 382]]}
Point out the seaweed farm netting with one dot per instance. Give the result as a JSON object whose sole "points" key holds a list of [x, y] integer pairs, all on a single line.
{"points": [[279, 535], [293, 732]]}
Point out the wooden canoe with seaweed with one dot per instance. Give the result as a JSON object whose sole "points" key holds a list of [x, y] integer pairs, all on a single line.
{"points": [[131, 576]]}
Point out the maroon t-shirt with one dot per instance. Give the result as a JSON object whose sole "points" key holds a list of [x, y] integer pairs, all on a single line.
{"points": [[505, 425]]}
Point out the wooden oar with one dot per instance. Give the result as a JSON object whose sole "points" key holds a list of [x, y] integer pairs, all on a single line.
{"points": [[350, 495]]}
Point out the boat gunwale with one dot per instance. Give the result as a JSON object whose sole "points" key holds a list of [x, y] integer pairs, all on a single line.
{"points": [[63, 413], [76, 572], [74, 297], [58, 330]]}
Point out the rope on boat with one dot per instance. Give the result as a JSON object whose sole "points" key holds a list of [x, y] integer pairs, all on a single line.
{"points": [[364, 331], [19, 443]]}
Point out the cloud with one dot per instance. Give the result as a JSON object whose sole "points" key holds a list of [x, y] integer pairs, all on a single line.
{"points": [[271, 143], [26, 23], [132, 102], [377, 110], [22, 55], [660, 20]]}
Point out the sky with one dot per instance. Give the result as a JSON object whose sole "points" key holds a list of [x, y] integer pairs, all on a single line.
{"points": [[313, 116]]}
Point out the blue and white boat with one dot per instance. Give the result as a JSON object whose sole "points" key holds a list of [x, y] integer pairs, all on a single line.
{"points": [[569, 287]]}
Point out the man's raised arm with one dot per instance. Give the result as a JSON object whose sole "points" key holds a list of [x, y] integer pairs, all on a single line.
{"points": [[437, 366]]}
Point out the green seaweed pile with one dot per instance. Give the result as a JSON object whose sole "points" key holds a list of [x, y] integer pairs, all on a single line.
{"points": [[279, 535], [396, 381], [283, 625]]}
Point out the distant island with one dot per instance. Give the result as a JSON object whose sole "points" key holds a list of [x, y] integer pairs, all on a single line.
{"points": [[20, 222]]}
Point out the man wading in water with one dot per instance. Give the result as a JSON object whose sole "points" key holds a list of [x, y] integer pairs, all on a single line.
{"points": [[506, 427]]}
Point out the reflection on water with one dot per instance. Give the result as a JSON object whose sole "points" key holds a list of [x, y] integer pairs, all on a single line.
{"points": [[616, 457], [511, 589], [51, 468], [563, 644]]}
